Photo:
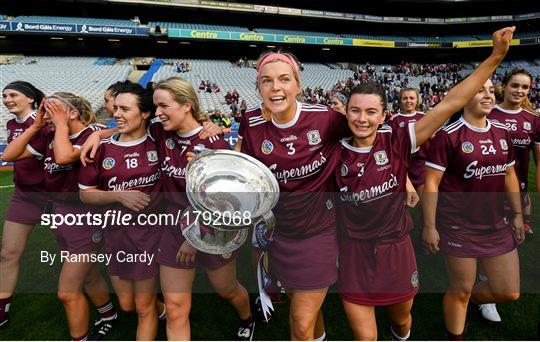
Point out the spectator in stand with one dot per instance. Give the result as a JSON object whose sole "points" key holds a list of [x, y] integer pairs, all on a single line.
{"points": [[243, 107], [202, 86]]}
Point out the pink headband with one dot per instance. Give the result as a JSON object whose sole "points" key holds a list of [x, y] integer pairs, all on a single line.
{"points": [[278, 56]]}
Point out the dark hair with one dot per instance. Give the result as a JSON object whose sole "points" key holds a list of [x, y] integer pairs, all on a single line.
{"points": [[115, 87], [516, 71], [28, 90], [144, 96], [370, 88]]}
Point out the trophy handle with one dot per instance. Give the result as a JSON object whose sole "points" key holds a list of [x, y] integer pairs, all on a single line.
{"points": [[263, 229]]}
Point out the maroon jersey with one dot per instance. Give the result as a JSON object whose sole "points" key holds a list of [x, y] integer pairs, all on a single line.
{"points": [[59, 178], [523, 127], [28, 171], [172, 148], [474, 161], [118, 166], [372, 183], [418, 161], [302, 155]]}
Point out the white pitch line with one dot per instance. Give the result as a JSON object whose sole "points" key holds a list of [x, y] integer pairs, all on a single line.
{"points": [[6, 186]]}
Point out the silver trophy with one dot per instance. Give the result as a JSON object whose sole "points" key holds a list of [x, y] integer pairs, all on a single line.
{"points": [[228, 192]]}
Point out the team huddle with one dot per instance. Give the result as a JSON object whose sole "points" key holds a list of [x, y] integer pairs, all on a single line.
{"points": [[336, 170]]}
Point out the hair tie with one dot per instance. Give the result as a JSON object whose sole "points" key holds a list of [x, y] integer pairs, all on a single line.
{"points": [[278, 56], [341, 97], [22, 88]]}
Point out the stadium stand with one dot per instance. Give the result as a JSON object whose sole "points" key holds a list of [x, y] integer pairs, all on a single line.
{"points": [[3, 17], [189, 26], [294, 32], [90, 77], [74, 20], [79, 75]]}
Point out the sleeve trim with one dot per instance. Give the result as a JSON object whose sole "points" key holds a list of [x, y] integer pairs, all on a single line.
{"points": [[412, 134], [86, 187], [34, 152], [435, 166]]}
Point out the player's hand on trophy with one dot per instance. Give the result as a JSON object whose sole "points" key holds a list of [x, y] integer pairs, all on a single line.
{"points": [[186, 254]]}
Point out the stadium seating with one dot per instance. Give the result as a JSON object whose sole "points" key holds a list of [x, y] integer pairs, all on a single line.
{"points": [[189, 26], [79, 75], [295, 32], [74, 20], [90, 77], [3, 17]]}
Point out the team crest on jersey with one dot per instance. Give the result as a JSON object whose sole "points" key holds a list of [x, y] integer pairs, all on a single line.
{"points": [[97, 236], [402, 124], [152, 156], [414, 279], [329, 204], [108, 163], [504, 144], [314, 137], [169, 143], [527, 125], [381, 158], [467, 147], [344, 170], [267, 147]]}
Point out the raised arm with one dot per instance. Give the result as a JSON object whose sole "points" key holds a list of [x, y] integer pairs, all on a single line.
{"points": [[461, 93], [16, 149], [64, 151]]}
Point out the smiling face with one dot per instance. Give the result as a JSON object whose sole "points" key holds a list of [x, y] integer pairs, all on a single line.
{"points": [[482, 103], [364, 115], [128, 116], [409, 102], [172, 114], [516, 90], [16, 102], [278, 87]]}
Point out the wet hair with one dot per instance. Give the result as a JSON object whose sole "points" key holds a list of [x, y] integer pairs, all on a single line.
{"points": [[373, 88], [87, 115], [516, 71], [415, 90], [144, 96], [29, 90], [182, 92]]}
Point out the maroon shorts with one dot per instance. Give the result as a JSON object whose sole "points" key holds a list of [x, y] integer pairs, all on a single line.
{"points": [[305, 264], [170, 243], [133, 251], [26, 205], [377, 273], [476, 244], [76, 239]]}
